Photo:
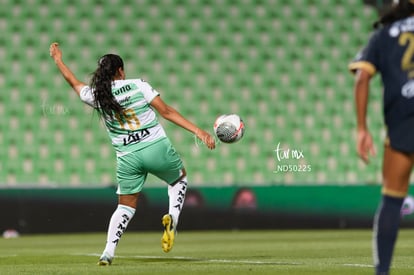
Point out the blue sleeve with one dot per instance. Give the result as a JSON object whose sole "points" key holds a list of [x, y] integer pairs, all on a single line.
{"points": [[368, 58]]}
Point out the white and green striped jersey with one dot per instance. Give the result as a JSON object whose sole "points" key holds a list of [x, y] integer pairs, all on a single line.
{"points": [[138, 126]]}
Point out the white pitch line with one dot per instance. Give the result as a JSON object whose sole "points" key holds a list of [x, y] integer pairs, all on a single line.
{"points": [[249, 262], [201, 259], [359, 265], [218, 260]]}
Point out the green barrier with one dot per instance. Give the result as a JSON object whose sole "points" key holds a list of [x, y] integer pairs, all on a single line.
{"points": [[259, 207], [359, 200], [96, 195], [329, 200]]}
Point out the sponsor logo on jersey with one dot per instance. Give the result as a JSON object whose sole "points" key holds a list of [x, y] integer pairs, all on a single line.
{"points": [[408, 89], [136, 137], [122, 90], [124, 100]]}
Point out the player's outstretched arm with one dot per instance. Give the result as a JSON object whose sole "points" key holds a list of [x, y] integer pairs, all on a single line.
{"points": [[174, 116], [56, 54]]}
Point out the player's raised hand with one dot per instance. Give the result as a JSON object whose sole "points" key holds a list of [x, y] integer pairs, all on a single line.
{"points": [[56, 54], [55, 51]]}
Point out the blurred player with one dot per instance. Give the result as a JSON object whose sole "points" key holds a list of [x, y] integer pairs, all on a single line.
{"points": [[390, 51], [141, 145]]}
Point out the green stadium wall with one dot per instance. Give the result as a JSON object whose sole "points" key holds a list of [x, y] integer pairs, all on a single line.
{"points": [[281, 65]]}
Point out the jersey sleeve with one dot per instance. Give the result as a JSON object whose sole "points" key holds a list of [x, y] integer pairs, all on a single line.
{"points": [[367, 59], [86, 96], [147, 90]]}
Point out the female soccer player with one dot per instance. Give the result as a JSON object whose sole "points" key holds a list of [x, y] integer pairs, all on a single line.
{"points": [[390, 51], [141, 145]]}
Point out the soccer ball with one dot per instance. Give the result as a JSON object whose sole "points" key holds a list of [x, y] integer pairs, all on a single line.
{"points": [[229, 128]]}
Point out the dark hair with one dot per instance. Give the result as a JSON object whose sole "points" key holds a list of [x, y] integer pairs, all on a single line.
{"points": [[101, 84], [404, 9]]}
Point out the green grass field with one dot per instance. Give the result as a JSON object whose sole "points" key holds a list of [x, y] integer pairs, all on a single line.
{"points": [[206, 252]]}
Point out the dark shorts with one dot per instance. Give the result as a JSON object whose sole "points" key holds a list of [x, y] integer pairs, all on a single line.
{"points": [[401, 137]]}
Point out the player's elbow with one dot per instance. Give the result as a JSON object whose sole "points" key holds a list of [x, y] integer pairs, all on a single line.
{"points": [[168, 112]]}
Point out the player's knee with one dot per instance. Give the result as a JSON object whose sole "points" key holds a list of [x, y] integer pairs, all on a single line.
{"points": [[394, 192]]}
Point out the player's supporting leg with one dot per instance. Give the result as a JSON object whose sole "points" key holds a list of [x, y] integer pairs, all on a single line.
{"points": [[117, 226], [386, 224], [176, 194], [396, 172]]}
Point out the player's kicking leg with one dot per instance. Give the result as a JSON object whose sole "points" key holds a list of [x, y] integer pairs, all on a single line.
{"points": [[176, 194]]}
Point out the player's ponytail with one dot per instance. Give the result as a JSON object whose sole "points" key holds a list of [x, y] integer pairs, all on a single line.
{"points": [[101, 84], [400, 10]]}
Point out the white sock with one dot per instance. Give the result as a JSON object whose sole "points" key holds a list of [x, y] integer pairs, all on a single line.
{"points": [[176, 194], [117, 226]]}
